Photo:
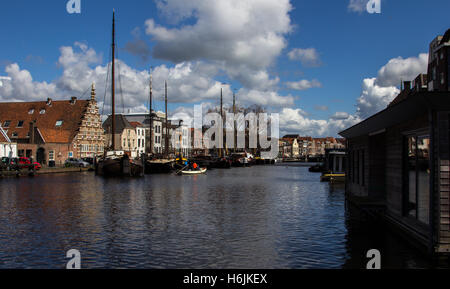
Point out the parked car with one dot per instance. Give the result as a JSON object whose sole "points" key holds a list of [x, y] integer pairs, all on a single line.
{"points": [[76, 163], [4, 164], [89, 160], [26, 163]]}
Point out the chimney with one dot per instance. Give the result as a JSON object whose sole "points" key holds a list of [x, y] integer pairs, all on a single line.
{"points": [[49, 101], [31, 132], [407, 86], [73, 100]]}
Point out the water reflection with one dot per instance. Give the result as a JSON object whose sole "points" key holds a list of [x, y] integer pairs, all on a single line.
{"points": [[260, 217]]}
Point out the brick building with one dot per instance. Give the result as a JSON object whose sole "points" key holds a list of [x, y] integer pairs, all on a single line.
{"points": [[53, 131]]}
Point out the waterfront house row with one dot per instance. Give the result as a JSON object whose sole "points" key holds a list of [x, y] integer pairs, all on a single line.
{"points": [[399, 159], [295, 146], [53, 131]]}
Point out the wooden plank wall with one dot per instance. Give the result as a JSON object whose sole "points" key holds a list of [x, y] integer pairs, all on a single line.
{"points": [[394, 170], [394, 162], [443, 158], [358, 145]]}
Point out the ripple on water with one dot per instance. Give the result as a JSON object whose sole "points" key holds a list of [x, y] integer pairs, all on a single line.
{"points": [[260, 217]]}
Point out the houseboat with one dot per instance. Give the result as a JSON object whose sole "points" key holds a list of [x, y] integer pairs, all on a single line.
{"points": [[399, 159]]}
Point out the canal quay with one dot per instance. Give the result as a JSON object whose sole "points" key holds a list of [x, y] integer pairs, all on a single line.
{"points": [[262, 217]]}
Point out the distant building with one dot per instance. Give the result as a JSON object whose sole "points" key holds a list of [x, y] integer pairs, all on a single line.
{"points": [[439, 64], [399, 159], [125, 136], [53, 131], [140, 137], [158, 123], [292, 147]]}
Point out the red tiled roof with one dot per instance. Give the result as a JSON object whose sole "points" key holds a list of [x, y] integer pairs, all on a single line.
{"points": [[70, 115], [135, 124]]}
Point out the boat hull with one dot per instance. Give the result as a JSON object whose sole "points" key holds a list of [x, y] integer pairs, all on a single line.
{"points": [[119, 167], [159, 167], [192, 173]]}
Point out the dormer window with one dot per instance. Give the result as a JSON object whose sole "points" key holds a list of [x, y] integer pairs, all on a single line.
{"points": [[59, 123], [20, 124], [31, 111], [42, 111], [7, 124]]}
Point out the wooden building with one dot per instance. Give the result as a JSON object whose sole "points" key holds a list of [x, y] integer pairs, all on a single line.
{"points": [[399, 164]]}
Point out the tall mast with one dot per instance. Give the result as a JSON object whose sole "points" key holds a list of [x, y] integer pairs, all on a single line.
{"points": [[113, 83], [221, 116], [166, 141], [234, 120], [151, 116]]}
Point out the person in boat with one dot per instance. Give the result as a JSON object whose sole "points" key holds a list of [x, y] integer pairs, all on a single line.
{"points": [[195, 167]]}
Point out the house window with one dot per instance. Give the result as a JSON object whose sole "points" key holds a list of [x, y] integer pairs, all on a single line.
{"points": [[357, 167], [6, 124], [59, 123], [31, 111], [20, 124], [42, 111], [417, 178], [363, 179], [70, 154], [15, 134], [51, 155]]}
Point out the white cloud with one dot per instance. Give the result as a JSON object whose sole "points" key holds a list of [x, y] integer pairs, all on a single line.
{"points": [[265, 98], [374, 98], [20, 86], [295, 121], [188, 82], [3, 78], [308, 57], [357, 5], [340, 116], [303, 84], [241, 37], [399, 69], [378, 92]]}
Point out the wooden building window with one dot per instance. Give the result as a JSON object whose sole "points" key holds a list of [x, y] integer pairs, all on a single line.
{"points": [[51, 155], [357, 168], [363, 179], [353, 167], [417, 177]]}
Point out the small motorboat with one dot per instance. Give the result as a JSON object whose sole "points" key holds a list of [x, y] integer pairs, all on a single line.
{"points": [[193, 172]]}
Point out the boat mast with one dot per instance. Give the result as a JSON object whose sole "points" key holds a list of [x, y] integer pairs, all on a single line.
{"points": [[151, 116], [113, 83], [234, 120], [166, 141], [221, 116]]}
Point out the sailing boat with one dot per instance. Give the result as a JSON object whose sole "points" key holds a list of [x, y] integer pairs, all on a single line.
{"points": [[117, 163], [159, 166]]}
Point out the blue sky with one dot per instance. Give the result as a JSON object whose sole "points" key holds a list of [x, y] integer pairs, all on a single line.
{"points": [[352, 46]]}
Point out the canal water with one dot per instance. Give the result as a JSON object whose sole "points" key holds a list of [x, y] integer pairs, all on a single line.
{"points": [[266, 217]]}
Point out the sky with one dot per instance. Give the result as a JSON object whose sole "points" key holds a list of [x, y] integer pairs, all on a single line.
{"points": [[321, 65]]}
